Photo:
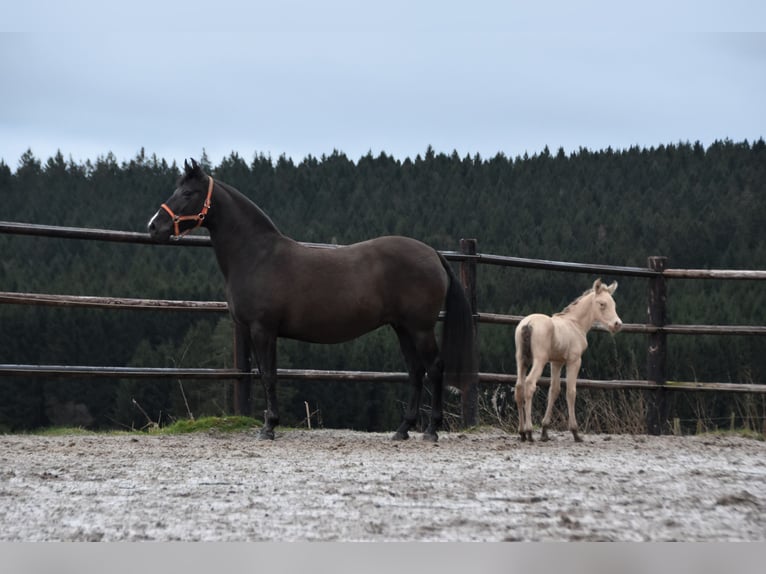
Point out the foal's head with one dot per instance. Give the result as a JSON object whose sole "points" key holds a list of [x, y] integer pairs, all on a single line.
{"points": [[605, 309], [187, 208]]}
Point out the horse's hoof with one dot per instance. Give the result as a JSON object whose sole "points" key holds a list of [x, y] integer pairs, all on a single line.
{"points": [[522, 437], [399, 435], [577, 437], [266, 434], [544, 436], [430, 437]]}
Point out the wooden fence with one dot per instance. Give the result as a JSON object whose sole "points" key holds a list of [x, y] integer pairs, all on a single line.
{"points": [[657, 273]]}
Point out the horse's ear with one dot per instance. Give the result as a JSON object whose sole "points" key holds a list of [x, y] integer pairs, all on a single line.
{"points": [[193, 170], [597, 286], [612, 288]]}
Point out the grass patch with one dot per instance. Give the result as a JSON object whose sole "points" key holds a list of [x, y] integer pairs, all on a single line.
{"points": [[205, 424]]}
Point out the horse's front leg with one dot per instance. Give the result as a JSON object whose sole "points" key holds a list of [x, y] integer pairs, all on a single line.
{"points": [[573, 369], [265, 350]]}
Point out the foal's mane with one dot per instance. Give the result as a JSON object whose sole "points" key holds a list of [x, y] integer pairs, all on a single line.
{"points": [[568, 308]]}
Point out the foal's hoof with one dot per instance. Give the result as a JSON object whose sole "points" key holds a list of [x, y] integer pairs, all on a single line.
{"points": [[577, 437], [526, 436], [266, 434], [544, 436], [400, 435]]}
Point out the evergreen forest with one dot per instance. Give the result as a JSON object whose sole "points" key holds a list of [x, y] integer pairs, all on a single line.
{"points": [[702, 207]]}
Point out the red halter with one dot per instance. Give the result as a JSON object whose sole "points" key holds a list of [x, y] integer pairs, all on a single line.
{"points": [[199, 218]]}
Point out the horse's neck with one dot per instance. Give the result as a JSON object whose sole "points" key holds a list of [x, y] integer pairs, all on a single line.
{"points": [[239, 209], [580, 313], [238, 228]]}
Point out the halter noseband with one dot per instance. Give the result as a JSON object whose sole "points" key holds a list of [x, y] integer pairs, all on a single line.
{"points": [[199, 218]]}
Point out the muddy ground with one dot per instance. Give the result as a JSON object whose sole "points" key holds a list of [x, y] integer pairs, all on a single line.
{"points": [[333, 485]]}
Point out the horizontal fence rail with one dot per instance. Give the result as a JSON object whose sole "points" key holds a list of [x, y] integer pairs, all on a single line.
{"points": [[29, 229], [35, 230], [110, 302], [506, 261], [89, 371], [50, 300], [655, 273]]}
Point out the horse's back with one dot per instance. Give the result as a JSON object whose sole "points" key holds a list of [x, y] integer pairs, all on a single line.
{"points": [[330, 295], [399, 250], [407, 275]]}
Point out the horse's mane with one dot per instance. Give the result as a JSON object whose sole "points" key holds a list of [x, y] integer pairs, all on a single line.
{"points": [[261, 216], [573, 303]]}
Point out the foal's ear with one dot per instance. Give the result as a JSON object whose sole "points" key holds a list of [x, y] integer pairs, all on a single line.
{"points": [[597, 286], [612, 288]]}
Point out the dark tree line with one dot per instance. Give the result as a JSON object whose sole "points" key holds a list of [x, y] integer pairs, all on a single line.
{"points": [[701, 207]]}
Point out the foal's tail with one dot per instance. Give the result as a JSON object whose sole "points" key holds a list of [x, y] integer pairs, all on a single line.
{"points": [[526, 345], [457, 349]]}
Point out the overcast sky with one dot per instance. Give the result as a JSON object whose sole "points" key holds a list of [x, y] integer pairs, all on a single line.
{"points": [[298, 77]]}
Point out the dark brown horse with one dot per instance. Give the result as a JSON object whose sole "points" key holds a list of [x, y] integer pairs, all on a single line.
{"points": [[276, 287]]}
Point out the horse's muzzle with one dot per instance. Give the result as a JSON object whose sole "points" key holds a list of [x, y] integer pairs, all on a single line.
{"points": [[157, 231]]}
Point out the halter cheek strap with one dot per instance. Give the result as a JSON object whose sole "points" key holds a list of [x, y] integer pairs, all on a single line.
{"points": [[199, 218]]}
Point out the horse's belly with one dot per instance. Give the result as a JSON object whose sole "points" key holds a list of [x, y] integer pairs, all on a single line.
{"points": [[335, 328]]}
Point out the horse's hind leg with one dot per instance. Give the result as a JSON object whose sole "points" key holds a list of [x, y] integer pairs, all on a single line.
{"points": [[416, 372], [428, 352], [553, 394]]}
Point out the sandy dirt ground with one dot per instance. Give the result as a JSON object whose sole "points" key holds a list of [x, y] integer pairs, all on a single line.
{"points": [[333, 485]]}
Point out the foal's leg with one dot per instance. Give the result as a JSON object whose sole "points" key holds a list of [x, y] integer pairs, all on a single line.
{"points": [[265, 350], [518, 393], [416, 372], [553, 394], [573, 368], [529, 392]]}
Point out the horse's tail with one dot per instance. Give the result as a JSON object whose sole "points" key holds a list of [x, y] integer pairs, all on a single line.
{"points": [[457, 347], [526, 345]]}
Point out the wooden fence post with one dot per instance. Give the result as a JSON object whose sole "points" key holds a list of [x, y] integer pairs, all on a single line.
{"points": [[469, 402], [656, 355], [243, 404]]}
